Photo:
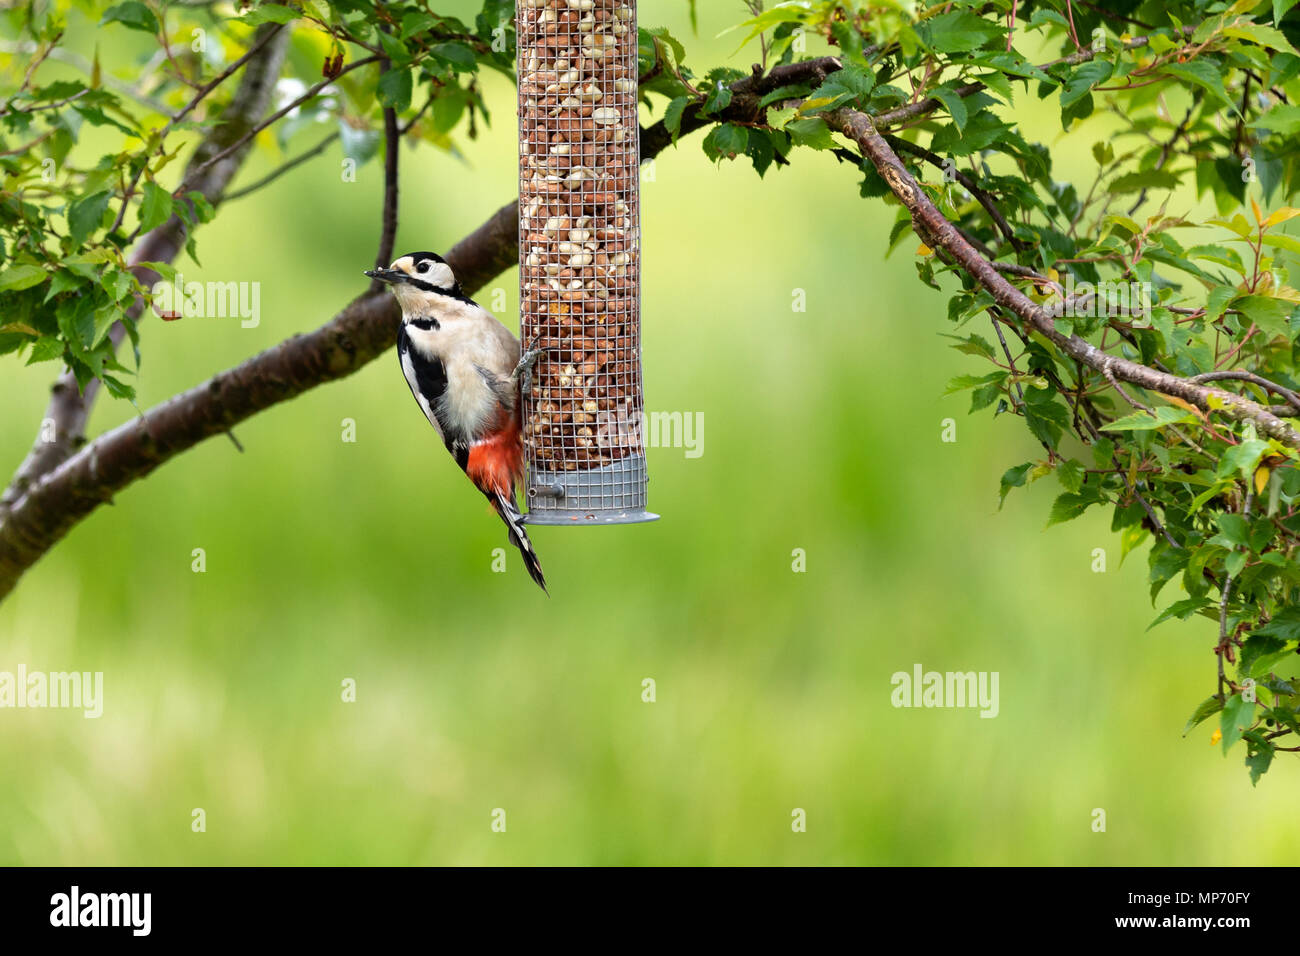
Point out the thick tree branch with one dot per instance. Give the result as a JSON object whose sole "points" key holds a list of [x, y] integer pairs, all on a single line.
{"points": [[745, 97], [365, 329], [983, 198]]}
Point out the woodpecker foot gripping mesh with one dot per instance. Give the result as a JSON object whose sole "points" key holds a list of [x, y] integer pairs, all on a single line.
{"points": [[579, 260]]}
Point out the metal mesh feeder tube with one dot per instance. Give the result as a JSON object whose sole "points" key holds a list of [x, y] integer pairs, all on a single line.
{"points": [[580, 261]]}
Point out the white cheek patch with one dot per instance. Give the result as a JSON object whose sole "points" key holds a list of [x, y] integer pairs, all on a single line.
{"points": [[439, 274]]}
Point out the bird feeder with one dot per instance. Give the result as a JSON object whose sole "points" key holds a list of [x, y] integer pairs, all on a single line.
{"points": [[580, 261]]}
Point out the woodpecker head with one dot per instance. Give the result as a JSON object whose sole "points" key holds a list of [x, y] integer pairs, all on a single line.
{"points": [[421, 281]]}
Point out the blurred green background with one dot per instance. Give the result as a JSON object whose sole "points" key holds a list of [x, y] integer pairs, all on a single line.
{"points": [[328, 560]]}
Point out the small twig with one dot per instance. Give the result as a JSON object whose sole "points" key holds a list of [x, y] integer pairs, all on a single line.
{"points": [[31, 71], [1011, 363], [1114, 383], [281, 113], [1222, 648], [388, 231], [1251, 377], [980, 195], [1164, 155], [282, 169]]}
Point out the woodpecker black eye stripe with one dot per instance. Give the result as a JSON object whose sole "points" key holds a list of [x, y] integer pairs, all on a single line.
{"points": [[394, 276]]}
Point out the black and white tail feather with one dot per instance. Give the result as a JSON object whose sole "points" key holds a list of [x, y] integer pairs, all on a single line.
{"points": [[510, 514]]}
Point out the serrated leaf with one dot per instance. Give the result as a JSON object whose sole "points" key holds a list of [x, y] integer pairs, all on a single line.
{"points": [[22, 276], [1203, 73], [394, 89], [1013, 478], [133, 15], [1067, 507], [957, 31], [810, 131], [1141, 421], [1145, 179], [155, 207], [84, 215], [1285, 625], [1207, 708], [673, 115], [1237, 716], [1242, 458]]}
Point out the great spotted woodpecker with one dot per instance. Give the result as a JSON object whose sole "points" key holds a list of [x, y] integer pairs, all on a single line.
{"points": [[465, 371]]}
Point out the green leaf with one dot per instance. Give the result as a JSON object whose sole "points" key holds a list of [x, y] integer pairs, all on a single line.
{"points": [[673, 115], [22, 276], [954, 104], [1141, 421], [1259, 762], [394, 89], [811, 131], [1261, 34], [1267, 663], [1067, 507], [457, 54], [84, 215], [1235, 529], [1071, 474], [1268, 313], [1242, 458], [1283, 119], [852, 84], [726, 141], [1181, 610], [1284, 625], [269, 13], [1237, 716], [963, 382], [957, 31], [719, 99], [1013, 478], [795, 91], [1146, 179], [1205, 74], [202, 208], [1207, 707], [360, 145], [1083, 79], [132, 14], [45, 349], [155, 207]]}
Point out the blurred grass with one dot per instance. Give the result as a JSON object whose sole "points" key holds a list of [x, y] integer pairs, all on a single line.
{"points": [[328, 560]]}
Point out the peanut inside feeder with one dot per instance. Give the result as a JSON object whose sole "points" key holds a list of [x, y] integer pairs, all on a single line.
{"points": [[579, 260]]}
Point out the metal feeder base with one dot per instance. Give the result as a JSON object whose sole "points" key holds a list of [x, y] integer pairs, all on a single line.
{"points": [[614, 494]]}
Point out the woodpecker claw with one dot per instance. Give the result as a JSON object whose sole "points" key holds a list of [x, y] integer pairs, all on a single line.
{"points": [[523, 373]]}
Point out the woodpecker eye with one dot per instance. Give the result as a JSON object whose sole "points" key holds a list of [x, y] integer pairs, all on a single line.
{"points": [[423, 266]]}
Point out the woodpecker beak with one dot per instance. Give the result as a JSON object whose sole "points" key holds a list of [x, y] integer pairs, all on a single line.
{"points": [[386, 275]]}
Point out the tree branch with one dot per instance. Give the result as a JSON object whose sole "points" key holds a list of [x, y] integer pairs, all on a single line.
{"points": [[388, 230], [983, 198], [365, 329], [936, 230]]}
